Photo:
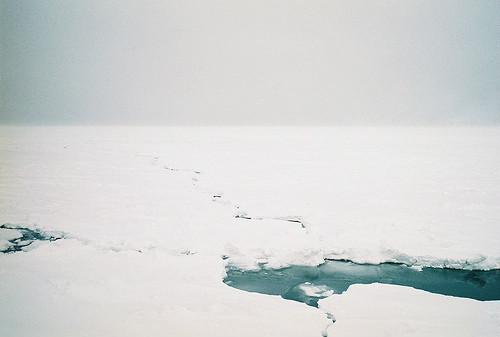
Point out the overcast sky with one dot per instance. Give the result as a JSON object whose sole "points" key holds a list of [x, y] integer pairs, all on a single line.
{"points": [[250, 62]]}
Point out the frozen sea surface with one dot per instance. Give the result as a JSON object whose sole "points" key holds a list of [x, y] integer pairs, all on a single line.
{"points": [[151, 217]]}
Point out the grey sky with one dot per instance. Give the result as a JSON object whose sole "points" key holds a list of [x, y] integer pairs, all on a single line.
{"points": [[250, 62]]}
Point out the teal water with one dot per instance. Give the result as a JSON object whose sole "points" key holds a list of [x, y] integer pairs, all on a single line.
{"points": [[290, 282], [28, 236]]}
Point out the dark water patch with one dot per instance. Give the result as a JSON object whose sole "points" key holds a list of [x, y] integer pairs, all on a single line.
{"points": [[309, 284], [27, 237]]}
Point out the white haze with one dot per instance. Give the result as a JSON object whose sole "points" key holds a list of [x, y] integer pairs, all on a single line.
{"points": [[250, 62]]}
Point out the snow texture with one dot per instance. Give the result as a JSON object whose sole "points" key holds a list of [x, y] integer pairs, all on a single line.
{"points": [[151, 215]]}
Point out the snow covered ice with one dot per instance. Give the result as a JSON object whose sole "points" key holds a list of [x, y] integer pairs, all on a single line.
{"points": [[152, 216]]}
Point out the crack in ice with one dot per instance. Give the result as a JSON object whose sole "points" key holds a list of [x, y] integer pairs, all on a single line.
{"points": [[25, 236]]}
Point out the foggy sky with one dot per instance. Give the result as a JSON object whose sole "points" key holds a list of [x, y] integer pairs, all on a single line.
{"points": [[250, 62]]}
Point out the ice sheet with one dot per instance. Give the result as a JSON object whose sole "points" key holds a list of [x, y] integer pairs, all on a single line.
{"points": [[150, 212]]}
